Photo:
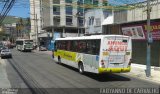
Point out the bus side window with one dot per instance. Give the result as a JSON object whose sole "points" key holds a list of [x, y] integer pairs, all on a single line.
{"points": [[58, 45], [89, 50], [95, 47], [63, 45], [83, 48], [75, 46], [79, 46], [68, 45], [71, 45]]}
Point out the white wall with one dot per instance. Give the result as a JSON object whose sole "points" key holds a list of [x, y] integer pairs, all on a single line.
{"points": [[35, 9], [139, 12], [97, 16]]}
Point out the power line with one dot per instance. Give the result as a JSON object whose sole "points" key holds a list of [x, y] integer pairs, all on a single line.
{"points": [[7, 7]]}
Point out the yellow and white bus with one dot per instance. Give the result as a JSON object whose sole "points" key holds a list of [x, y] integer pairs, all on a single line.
{"points": [[96, 53], [24, 44]]}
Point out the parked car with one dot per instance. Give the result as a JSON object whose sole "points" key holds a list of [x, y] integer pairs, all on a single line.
{"points": [[6, 53], [1, 47], [12, 45], [42, 48]]}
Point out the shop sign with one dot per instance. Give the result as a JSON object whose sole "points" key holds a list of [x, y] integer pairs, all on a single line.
{"points": [[139, 31]]}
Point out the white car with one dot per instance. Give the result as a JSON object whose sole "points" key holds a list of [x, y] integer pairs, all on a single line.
{"points": [[6, 53], [42, 48]]}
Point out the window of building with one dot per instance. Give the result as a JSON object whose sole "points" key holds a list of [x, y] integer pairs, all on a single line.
{"points": [[106, 13], [68, 20], [91, 20], [80, 21], [95, 2], [98, 22], [80, 10], [56, 20], [56, 10], [69, 10]]}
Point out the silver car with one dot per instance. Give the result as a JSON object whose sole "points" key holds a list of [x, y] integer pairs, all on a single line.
{"points": [[6, 53], [42, 48]]}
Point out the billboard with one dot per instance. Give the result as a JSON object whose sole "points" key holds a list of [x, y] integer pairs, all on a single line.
{"points": [[139, 31]]}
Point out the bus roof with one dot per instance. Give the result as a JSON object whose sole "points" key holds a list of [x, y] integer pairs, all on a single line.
{"points": [[90, 37]]}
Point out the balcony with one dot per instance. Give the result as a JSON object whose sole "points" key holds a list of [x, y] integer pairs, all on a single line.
{"points": [[69, 23], [56, 23], [81, 24]]}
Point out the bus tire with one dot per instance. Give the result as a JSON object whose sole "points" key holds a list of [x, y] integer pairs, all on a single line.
{"points": [[59, 60], [81, 68]]}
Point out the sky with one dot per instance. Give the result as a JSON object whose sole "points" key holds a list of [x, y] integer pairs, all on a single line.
{"points": [[22, 7]]}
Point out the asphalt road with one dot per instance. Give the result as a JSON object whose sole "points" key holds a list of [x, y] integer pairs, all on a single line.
{"points": [[41, 75]]}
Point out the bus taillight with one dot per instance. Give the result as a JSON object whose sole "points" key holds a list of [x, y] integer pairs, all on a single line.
{"points": [[102, 64], [130, 61]]}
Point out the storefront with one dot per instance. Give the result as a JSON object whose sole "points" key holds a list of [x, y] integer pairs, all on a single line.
{"points": [[138, 32]]}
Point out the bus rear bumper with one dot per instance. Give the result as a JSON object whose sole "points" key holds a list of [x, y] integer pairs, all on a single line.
{"points": [[114, 70]]}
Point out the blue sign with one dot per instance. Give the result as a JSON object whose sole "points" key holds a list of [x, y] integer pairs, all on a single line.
{"points": [[51, 44]]}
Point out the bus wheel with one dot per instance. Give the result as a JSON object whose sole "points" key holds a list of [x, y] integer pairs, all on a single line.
{"points": [[81, 68], [59, 60]]}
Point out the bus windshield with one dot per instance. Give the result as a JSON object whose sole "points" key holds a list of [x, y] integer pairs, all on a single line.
{"points": [[28, 41]]}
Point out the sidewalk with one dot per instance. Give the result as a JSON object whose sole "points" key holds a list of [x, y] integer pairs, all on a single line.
{"points": [[4, 82], [137, 70]]}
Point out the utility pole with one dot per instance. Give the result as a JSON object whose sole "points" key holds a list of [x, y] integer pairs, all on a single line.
{"points": [[78, 22], [149, 41], [37, 31], [35, 24]]}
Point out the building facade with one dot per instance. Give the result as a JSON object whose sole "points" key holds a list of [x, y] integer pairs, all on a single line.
{"points": [[36, 21], [133, 22], [62, 17], [10, 32], [65, 17]]}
